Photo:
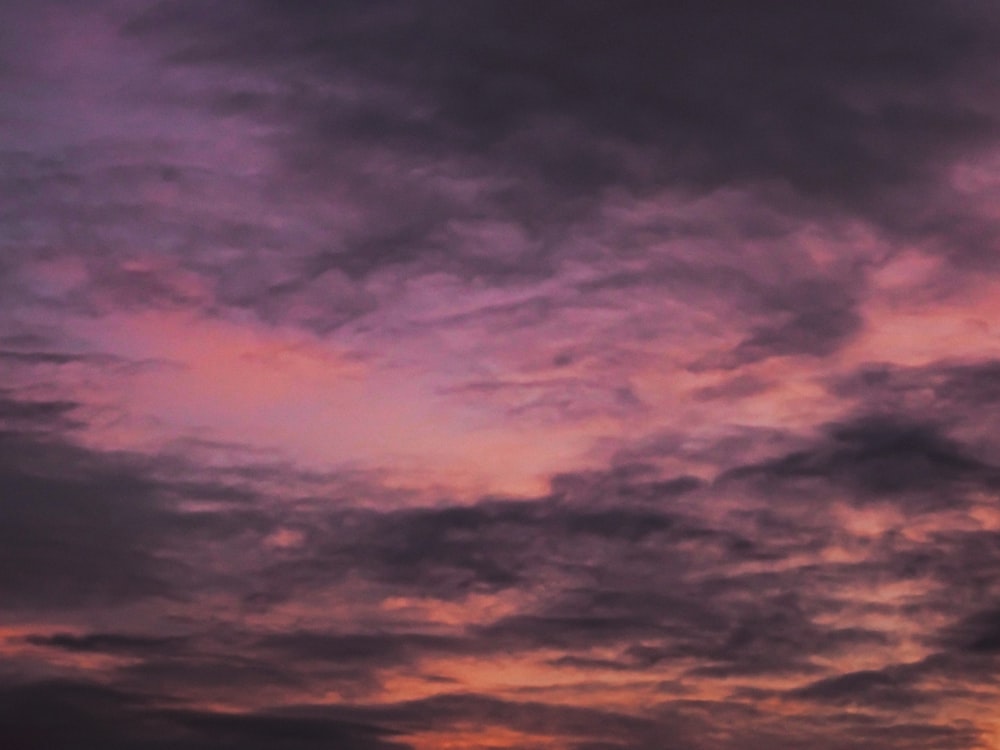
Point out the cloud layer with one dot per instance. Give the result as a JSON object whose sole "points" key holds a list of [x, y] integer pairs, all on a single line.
{"points": [[565, 375]]}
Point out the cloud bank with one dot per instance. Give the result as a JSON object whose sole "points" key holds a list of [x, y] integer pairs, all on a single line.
{"points": [[564, 375]]}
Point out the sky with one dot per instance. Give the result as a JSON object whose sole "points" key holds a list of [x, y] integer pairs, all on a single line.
{"points": [[494, 374]]}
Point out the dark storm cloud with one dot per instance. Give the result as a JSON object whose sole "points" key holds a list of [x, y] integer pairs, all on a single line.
{"points": [[93, 715], [82, 527], [624, 548], [74, 527], [482, 141], [882, 457], [217, 671], [435, 118], [778, 639], [970, 385], [894, 688], [68, 714], [653, 232], [495, 544], [487, 154], [722, 634], [684, 723], [873, 688], [811, 317], [633, 556], [457, 710], [110, 643], [636, 579], [837, 100], [246, 731], [965, 394], [33, 415], [88, 714], [807, 316], [979, 632], [41, 358]]}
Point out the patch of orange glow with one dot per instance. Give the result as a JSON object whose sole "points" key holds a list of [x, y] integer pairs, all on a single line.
{"points": [[476, 608], [495, 738], [913, 332]]}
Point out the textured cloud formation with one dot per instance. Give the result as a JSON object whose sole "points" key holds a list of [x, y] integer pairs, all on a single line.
{"points": [[565, 375]]}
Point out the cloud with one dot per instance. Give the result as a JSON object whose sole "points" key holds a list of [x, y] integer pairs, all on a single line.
{"points": [[491, 70], [978, 633], [560, 375], [586, 97], [879, 457], [76, 527], [34, 414], [54, 714], [106, 643], [623, 572], [869, 688]]}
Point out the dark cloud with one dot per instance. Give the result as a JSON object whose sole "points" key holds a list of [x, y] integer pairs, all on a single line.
{"points": [[65, 714], [622, 572], [836, 100], [493, 545], [110, 643], [76, 527], [55, 714], [625, 554], [34, 357], [665, 244], [34, 415], [879, 457], [961, 395], [978, 633], [810, 317], [80, 527], [970, 385], [437, 120], [871, 689], [227, 730], [531, 718]]}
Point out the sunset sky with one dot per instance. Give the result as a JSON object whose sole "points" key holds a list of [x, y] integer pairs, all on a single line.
{"points": [[504, 375]]}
